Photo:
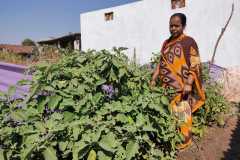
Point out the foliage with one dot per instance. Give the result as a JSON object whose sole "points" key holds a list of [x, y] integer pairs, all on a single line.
{"points": [[215, 105], [96, 105], [93, 105], [28, 42], [155, 59]]}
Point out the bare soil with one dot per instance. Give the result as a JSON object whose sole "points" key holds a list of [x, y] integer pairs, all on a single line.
{"points": [[218, 143]]}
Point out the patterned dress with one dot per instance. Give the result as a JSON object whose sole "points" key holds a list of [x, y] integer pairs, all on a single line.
{"points": [[179, 59]]}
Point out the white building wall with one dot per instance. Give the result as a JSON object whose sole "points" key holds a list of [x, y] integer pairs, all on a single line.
{"points": [[143, 25]]}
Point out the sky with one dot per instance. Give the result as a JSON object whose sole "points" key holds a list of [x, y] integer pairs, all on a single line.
{"points": [[43, 19]]}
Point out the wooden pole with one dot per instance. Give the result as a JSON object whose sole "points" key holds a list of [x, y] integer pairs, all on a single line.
{"points": [[220, 36]]}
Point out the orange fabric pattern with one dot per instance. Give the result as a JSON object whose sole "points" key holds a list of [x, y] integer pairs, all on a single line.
{"points": [[179, 59]]}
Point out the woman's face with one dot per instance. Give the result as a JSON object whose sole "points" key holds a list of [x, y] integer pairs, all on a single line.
{"points": [[176, 28]]}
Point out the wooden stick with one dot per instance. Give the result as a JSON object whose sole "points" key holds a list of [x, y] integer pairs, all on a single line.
{"points": [[220, 36]]}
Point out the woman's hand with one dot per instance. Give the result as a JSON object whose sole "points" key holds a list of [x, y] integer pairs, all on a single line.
{"points": [[155, 75], [187, 89], [188, 85], [152, 83]]}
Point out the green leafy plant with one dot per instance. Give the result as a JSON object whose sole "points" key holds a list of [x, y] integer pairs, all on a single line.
{"points": [[96, 105], [215, 105], [92, 105]]}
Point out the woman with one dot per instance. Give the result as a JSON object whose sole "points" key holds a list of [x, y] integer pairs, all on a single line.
{"points": [[179, 68]]}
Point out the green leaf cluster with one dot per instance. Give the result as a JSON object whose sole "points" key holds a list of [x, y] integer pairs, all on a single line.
{"points": [[67, 115], [215, 105]]}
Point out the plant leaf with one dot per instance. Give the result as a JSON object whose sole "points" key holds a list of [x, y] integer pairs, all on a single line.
{"points": [[18, 115], [11, 90], [109, 142], [132, 149], [53, 101], [165, 100], [102, 156], [2, 154], [62, 146], [92, 155], [50, 154]]}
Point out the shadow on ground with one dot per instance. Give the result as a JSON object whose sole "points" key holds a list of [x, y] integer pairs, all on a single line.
{"points": [[218, 143], [233, 153]]}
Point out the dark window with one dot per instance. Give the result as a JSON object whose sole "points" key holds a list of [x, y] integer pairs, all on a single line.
{"points": [[178, 4], [109, 16]]}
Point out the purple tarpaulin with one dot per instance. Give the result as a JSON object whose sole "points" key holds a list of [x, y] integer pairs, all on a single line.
{"points": [[13, 67], [10, 74], [216, 72]]}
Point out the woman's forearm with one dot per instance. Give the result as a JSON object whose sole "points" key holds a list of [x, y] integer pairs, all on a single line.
{"points": [[156, 73]]}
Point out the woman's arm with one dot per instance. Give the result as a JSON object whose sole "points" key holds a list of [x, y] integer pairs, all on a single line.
{"points": [[155, 75]]}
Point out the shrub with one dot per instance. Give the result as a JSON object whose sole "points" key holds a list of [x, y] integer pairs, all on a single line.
{"points": [[90, 105]]}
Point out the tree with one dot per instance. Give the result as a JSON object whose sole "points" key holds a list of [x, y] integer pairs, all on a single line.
{"points": [[28, 42]]}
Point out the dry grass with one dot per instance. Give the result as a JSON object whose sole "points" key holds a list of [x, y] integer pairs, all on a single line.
{"points": [[47, 54], [12, 58]]}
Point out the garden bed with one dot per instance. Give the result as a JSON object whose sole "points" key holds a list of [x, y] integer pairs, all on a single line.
{"points": [[96, 105]]}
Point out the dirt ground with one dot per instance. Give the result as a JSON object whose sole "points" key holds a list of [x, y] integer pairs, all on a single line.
{"points": [[218, 143]]}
